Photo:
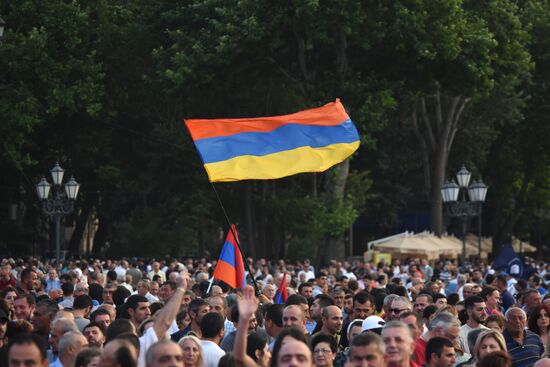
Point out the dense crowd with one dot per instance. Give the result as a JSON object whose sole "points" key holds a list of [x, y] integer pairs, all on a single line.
{"points": [[172, 313]]}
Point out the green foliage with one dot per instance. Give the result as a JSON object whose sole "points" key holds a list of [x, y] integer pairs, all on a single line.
{"points": [[102, 86]]}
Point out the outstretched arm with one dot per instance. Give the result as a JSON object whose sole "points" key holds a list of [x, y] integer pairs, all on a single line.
{"points": [[168, 313], [248, 304]]}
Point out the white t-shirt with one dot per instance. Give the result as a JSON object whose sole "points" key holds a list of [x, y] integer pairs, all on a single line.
{"points": [[212, 353], [463, 336], [146, 341]]}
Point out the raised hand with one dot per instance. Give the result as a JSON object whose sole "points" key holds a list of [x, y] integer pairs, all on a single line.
{"points": [[182, 279], [247, 303]]}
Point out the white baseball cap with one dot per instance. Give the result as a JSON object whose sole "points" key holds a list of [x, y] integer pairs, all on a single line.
{"points": [[372, 322]]}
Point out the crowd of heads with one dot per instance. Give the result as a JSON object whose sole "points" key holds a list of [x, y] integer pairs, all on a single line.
{"points": [[154, 313]]}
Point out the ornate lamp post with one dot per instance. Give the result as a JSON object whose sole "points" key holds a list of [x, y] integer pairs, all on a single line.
{"points": [[59, 203], [468, 205]]}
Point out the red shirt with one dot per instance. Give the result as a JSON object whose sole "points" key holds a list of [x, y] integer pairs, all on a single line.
{"points": [[7, 283], [419, 354]]}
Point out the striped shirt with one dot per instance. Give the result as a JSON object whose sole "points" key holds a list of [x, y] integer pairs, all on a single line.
{"points": [[526, 354]]}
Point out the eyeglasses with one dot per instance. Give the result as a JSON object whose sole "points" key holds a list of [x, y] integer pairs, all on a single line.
{"points": [[322, 351], [397, 310]]}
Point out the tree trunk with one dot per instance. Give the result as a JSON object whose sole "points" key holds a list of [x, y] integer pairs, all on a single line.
{"points": [[248, 248], [435, 128], [335, 185]]}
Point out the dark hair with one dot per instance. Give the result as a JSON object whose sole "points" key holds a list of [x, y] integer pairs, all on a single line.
{"points": [[429, 311], [96, 324], [67, 288], [155, 306], [293, 332], [472, 338], [180, 317], [533, 317], [30, 299], [362, 297], [436, 345], [228, 360], [171, 283], [453, 299], [112, 276], [211, 325], [51, 306], [296, 299], [234, 312], [324, 300], [326, 338], [470, 301], [426, 294], [27, 338], [65, 278], [498, 358], [274, 312], [82, 301], [7, 290], [25, 273], [99, 311], [320, 274], [133, 301], [496, 318], [85, 356], [255, 342], [439, 296], [120, 294], [196, 304], [304, 284], [487, 291], [117, 327], [130, 338], [379, 297], [400, 291], [124, 356]]}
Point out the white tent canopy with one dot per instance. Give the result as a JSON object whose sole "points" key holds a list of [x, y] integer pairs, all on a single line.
{"points": [[426, 244]]}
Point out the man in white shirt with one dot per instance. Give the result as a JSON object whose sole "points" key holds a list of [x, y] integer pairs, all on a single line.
{"points": [[475, 309], [142, 289], [156, 271], [212, 334], [307, 272], [164, 319]]}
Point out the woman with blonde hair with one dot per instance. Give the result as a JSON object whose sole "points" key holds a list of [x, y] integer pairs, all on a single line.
{"points": [[487, 342], [192, 351]]}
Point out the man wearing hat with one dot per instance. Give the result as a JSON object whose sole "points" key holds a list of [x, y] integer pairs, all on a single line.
{"points": [[374, 324]]}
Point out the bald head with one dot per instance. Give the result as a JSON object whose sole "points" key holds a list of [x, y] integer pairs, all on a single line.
{"points": [[293, 315]]}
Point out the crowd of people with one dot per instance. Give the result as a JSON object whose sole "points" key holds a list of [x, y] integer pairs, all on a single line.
{"points": [[152, 313]]}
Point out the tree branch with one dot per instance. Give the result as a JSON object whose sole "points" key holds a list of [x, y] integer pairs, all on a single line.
{"points": [[438, 113], [426, 119], [423, 149]]}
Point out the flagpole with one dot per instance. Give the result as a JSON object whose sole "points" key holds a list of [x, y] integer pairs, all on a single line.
{"points": [[257, 290], [210, 285]]}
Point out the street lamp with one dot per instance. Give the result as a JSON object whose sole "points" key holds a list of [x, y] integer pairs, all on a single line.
{"points": [[60, 203], [468, 205]]}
